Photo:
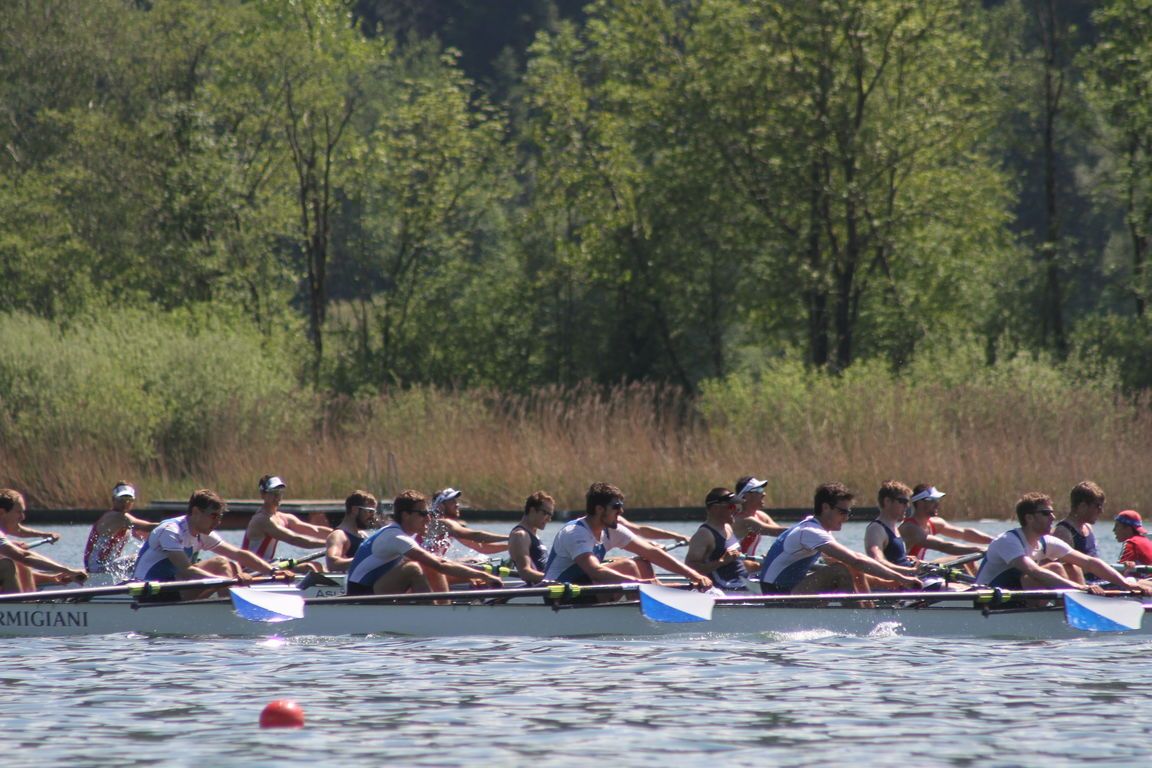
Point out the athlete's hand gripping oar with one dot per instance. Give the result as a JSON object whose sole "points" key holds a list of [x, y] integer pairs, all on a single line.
{"points": [[40, 542]]}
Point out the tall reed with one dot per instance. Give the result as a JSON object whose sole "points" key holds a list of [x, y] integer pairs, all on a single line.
{"points": [[175, 409]]}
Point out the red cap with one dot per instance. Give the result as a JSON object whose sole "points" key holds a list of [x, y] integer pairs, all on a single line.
{"points": [[1131, 517]]}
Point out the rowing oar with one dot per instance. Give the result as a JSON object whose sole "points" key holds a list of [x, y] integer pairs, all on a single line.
{"points": [[290, 563], [1094, 613], [971, 557], [133, 588], [41, 542], [260, 605]]}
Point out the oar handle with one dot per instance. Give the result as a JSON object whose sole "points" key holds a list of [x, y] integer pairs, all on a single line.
{"points": [[41, 542], [290, 563]]}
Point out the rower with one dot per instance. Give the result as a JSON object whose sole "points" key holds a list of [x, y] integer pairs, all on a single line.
{"points": [[714, 548], [1029, 556], [104, 550], [445, 525], [392, 561], [1086, 504], [269, 526], [923, 529], [751, 522], [21, 569], [528, 554], [791, 567], [1128, 529], [360, 514], [882, 540], [579, 549], [172, 547]]}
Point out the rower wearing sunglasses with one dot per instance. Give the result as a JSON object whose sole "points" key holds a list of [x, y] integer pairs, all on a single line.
{"points": [[360, 515], [1030, 557], [173, 546], [714, 548], [392, 561], [579, 549], [792, 565]]}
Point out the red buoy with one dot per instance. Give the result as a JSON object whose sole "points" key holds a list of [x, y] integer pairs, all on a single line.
{"points": [[282, 713]]}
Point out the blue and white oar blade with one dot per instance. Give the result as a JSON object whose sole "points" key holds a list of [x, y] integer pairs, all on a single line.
{"points": [[266, 606], [1095, 613], [674, 605]]}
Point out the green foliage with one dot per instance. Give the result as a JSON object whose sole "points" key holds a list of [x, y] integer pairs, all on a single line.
{"points": [[157, 388], [950, 394]]}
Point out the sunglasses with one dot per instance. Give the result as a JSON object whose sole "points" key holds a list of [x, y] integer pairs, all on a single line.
{"points": [[617, 505]]}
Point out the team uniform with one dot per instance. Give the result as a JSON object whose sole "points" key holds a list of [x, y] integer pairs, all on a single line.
{"points": [[265, 549], [152, 564], [920, 552], [792, 556], [576, 539], [733, 576], [382, 552], [996, 568], [1080, 542], [1137, 549], [895, 550], [537, 552]]}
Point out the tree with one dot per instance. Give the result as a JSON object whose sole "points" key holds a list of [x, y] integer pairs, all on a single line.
{"points": [[1117, 84]]}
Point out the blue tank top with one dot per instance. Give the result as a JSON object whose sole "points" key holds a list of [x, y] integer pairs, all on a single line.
{"points": [[895, 551], [537, 552], [1080, 542], [730, 576], [352, 545]]}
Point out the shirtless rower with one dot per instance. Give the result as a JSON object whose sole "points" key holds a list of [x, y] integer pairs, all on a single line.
{"points": [[1086, 504], [714, 548], [393, 562], [104, 550], [21, 569], [790, 567], [172, 547], [528, 554], [924, 528], [1029, 557], [752, 522], [269, 526], [579, 549], [360, 514]]}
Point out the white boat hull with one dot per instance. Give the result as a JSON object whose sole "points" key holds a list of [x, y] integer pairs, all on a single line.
{"points": [[523, 619]]}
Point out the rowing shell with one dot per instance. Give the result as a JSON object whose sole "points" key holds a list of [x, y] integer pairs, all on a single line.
{"points": [[216, 617]]}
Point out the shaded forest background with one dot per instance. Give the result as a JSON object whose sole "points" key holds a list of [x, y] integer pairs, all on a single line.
{"points": [[214, 210]]}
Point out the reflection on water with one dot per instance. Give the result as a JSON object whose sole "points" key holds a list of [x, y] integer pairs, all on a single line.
{"points": [[796, 700]]}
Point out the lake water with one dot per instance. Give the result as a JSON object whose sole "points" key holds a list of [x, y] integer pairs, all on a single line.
{"points": [[790, 700]]}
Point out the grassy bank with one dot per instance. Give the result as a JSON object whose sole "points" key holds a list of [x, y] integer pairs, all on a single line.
{"points": [[172, 409]]}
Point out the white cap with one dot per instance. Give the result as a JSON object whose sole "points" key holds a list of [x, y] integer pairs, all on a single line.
{"points": [[273, 483], [752, 486], [124, 489], [928, 494], [445, 495]]}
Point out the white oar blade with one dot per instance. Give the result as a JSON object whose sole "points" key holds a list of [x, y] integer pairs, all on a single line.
{"points": [[675, 605], [266, 606], [1094, 613]]}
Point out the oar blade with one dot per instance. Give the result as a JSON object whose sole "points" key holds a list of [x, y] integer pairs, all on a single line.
{"points": [[1094, 613], [266, 606], [676, 606]]}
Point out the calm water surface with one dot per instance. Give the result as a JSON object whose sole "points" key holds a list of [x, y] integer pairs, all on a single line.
{"points": [[791, 700]]}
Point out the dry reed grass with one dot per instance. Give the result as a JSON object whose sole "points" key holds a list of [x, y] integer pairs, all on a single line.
{"points": [[982, 445]]}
